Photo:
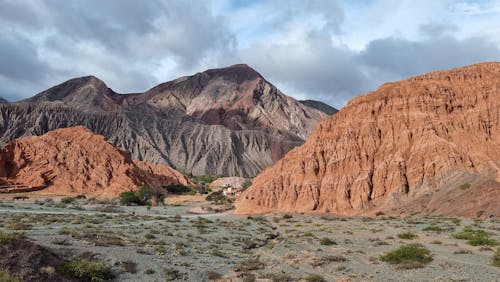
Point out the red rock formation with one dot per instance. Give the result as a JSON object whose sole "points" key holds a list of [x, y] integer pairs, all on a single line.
{"points": [[76, 161], [388, 148]]}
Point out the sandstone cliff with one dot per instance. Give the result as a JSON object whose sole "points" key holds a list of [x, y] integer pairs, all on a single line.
{"points": [[410, 144], [76, 161], [228, 121]]}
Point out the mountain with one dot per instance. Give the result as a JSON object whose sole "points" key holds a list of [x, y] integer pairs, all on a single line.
{"points": [[430, 143], [329, 110], [228, 121], [73, 161]]}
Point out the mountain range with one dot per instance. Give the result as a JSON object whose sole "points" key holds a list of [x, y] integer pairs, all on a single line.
{"points": [[229, 121]]}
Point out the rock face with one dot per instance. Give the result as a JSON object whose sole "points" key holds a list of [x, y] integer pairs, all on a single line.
{"points": [[76, 161], [227, 121], [410, 144]]}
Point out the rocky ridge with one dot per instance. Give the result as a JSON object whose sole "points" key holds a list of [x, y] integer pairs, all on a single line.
{"points": [[73, 161], [406, 147]]}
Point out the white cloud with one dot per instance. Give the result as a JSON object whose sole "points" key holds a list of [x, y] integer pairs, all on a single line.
{"points": [[325, 50]]}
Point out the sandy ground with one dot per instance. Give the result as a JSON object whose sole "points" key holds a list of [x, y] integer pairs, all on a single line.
{"points": [[170, 243]]}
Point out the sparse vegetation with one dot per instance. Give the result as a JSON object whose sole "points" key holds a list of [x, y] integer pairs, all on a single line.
{"points": [[218, 198], [6, 237], [407, 235], [6, 276], [85, 270], [327, 242], [129, 198], [433, 228], [180, 189], [172, 274], [495, 260], [67, 200], [314, 278], [465, 186], [246, 184], [475, 237], [408, 256]]}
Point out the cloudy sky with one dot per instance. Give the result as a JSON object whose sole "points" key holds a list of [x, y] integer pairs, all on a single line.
{"points": [[324, 50]]}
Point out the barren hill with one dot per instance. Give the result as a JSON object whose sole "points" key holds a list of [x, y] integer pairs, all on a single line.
{"points": [[430, 143], [228, 121], [76, 161]]}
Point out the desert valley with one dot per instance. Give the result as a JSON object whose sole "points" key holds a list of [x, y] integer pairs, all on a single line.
{"points": [[417, 167], [221, 175]]}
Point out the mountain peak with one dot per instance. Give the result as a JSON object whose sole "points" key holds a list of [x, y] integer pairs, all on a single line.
{"points": [[237, 73]]}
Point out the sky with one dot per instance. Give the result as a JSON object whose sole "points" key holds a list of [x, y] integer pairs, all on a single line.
{"points": [[312, 49]]}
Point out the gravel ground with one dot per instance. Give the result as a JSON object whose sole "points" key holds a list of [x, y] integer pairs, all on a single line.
{"points": [[169, 243]]}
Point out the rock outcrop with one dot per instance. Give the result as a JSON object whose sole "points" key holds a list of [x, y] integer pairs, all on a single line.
{"points": [[407, 147], [75, 161], [228, 121]]}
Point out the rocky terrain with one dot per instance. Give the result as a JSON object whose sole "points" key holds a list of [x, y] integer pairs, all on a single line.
{"points": [[430, 143], [73, 161], [164, 243], [228, 121]]}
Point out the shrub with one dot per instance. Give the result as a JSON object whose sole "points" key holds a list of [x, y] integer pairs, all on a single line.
{"points": [[250, 265], [433, 228], [6, 237], [206, 178], [407, 235], [475, 237], [180, 189], [85, 270], [315, 278], [217, 198], [128, 198], [246, 184], [495, 260], [128, 266], [327, 242], [465, 186], [5, 276], [408, 256], [67, 200], [213, 275], [18, 225], [172, 274]]}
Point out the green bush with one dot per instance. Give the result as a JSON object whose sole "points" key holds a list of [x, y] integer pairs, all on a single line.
{"points": [[5, 276], [408, 256], [180, 189], [85, 270], [217, 198], [128, 198], [495, 260], [327, 242], [206, 178], [407, 235], [475, 237]]}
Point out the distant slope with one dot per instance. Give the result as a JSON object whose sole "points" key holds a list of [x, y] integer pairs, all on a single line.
{"points": [[325, 108], [228, 121], [430, 143]]}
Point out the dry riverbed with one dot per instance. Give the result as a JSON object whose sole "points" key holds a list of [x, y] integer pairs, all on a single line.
{"points": [[170, 243]]}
